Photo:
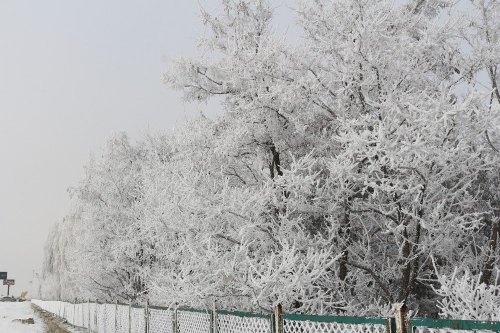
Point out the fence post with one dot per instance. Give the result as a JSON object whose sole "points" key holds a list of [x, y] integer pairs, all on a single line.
{"points": [[400, 314], [146, 316], [116, 316], [95, 315], [174, 322], [83, 312], [129, 316], [278, 319], [74, 313], [214, 318], [88, 318]]}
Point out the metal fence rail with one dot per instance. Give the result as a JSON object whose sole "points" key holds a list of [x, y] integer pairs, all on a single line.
{"points": [[120, 318]]}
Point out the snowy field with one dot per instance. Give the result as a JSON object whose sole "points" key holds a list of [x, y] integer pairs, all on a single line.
{"points": [[10, 311]]}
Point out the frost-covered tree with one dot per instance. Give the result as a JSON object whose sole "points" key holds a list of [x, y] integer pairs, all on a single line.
{"points": [[344, 162], [467, 297], [379, 96], [106, 257]]}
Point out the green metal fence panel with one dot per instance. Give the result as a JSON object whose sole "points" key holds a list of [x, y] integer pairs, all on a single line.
{"points": [[109, 311], [101, 318], [161, 320], [93, 317], [193, 321], [138, 323], [243, 322], [422, 325], [295, 323], [121, 318]]}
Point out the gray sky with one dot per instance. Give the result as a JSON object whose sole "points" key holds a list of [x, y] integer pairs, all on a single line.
{"points": [[72, 73]]}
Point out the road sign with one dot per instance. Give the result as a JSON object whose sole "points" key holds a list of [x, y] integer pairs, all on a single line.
{"points": [[3, 275], [9, 282]]}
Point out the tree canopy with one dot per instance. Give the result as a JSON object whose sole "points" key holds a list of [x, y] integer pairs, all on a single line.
{"points": [[355, 168]]}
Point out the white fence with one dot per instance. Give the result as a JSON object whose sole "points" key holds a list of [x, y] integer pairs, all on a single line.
{"points": [[118, 318], [111, 318]]}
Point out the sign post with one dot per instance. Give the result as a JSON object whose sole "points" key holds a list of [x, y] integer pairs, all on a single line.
{"points": [[8, 283], [3, 276]]}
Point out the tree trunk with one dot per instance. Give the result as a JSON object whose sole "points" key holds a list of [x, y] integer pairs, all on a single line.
{"points": [[410, 269], [489, 260], [405, 277], [345, 236], [275, 162]]}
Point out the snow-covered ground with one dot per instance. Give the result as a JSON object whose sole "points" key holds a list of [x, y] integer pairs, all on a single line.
{"points": [[10, 311]]}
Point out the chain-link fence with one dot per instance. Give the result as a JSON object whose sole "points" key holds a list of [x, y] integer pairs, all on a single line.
{"points": [[120, 318]]}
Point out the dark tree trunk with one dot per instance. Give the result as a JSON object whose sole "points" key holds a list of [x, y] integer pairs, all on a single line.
{"points": [[275, 164], [411, 266], [345, 235], [489, 260]]}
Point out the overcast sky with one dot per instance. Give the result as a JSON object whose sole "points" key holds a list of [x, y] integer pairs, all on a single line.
{"points": [[72, 73]]}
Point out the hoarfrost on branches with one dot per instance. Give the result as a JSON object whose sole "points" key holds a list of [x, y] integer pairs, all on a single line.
{"points": [[468, 298], [344, 162]]}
